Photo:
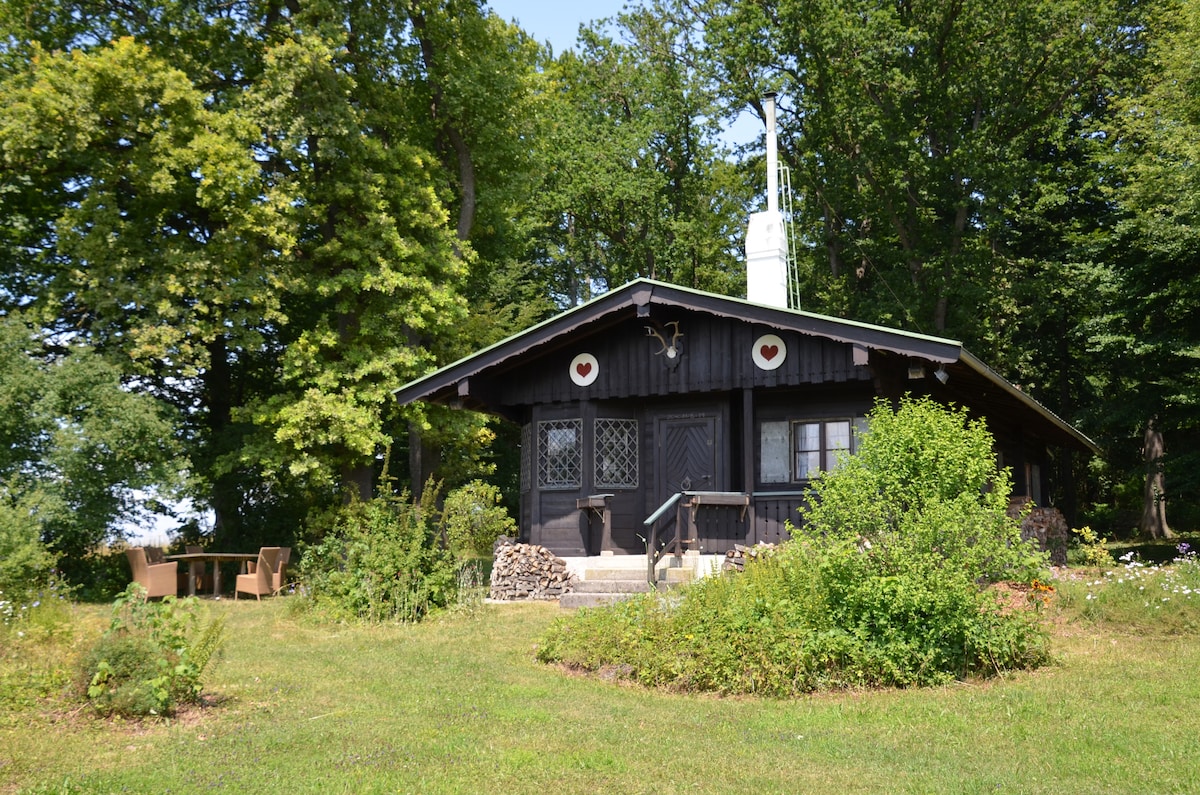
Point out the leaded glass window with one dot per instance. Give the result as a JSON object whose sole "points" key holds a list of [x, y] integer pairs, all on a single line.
{"points": [[616, 454], [560, 454]]}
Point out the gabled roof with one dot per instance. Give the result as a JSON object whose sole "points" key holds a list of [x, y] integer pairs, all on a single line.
{"points": [[977, 383]]}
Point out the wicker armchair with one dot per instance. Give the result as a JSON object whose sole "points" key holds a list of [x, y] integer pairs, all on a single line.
{"points": [[259, 581], [281, 562], [157, 578]]}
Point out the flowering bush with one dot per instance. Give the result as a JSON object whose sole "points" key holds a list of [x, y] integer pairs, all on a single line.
{"points": [[1091, 548]]}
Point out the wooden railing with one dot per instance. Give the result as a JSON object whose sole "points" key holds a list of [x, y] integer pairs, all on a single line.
{"points": [[653, 551], [685, 523]]}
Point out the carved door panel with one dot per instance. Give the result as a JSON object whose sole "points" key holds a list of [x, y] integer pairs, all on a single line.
{"points": [[688, 459]]}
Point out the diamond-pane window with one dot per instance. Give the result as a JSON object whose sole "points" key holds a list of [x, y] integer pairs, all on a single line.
{"points": [[616, 454], [560, 454]]}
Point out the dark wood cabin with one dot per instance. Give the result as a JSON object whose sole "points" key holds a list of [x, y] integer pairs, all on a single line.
{"points": [[653, 390]]}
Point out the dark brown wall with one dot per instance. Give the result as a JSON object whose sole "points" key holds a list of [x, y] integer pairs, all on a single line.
{"points": [[716, 358]]}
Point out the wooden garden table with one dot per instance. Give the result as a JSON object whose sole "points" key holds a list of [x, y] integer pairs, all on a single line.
{"points": [[217, 558]]}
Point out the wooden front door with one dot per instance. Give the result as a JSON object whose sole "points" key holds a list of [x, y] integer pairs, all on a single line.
{"points": [[688, 458]]}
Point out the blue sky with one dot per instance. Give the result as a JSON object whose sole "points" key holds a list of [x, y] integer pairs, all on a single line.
{"points": [[555, 21], [558, 21]]}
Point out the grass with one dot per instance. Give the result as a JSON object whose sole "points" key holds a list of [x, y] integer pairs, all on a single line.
{"points": [[458, 705]]}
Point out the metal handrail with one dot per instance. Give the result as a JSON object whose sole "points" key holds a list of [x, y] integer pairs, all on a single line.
{"points": [[651, 523], [666, 506]]}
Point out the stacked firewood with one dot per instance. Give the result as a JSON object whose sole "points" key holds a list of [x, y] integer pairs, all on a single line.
{"points": [[528, 571], [1046, 525], [735, 559], [1049, 527]]}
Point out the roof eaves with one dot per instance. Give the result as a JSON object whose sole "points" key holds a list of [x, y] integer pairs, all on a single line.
{"points": [[980, 367], [494, 354]]}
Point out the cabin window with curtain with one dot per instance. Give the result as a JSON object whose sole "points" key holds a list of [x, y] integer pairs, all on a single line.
{"points": [[796, 451], [616, 454], [560, 454]]}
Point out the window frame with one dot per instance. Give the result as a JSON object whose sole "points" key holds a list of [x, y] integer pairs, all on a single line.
{"points": [[625, 432], [825, 453], [571, 468]]}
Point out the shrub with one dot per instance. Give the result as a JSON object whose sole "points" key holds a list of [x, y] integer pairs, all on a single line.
{"points": [[25, 562], [883, 586], [151, 658], [383, 560], [1092, 550], [474, 518]]}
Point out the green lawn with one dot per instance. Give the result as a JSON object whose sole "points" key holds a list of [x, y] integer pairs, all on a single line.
{"points": [[460, 705]]}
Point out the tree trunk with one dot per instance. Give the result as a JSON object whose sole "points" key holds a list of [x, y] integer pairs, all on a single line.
{"points": [[423, 460], [225, 495], [358, 482], [1154, 498]]}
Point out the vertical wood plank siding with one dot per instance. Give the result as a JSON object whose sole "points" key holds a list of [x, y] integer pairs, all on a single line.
{"points": [[716, 358]]}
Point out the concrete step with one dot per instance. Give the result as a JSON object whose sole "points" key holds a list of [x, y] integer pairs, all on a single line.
{"points": [[676, 576], [575, 599], [610, 586], [592, 573]]}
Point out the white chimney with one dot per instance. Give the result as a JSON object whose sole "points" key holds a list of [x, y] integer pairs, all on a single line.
{"points": [[766, 239]]}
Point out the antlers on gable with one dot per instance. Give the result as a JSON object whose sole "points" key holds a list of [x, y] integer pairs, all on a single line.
{"points": [[672, 349]]}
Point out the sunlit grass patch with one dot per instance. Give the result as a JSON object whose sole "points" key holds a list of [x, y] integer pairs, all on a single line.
{"points": [[1139, 597]]}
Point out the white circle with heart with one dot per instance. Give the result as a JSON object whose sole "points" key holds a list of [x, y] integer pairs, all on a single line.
{"points": [[584, 369], [768, 352]]}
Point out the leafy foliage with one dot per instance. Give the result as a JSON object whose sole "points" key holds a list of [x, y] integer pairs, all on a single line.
{"points": [[883, 586], [923, 490], [383, 560], [474, 518], [1091, 549], [74, 446], [1147, 338], [636, 183], [151, 659]]}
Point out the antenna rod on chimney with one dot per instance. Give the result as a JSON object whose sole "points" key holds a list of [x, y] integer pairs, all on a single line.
{"points": [[772, 154]]}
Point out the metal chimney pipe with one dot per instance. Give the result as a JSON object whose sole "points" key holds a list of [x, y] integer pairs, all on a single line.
{"points": [[766, 235], [772, 155]]}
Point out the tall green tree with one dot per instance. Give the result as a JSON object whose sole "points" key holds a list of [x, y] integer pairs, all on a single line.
{"points": [[139, 221], [1150, 336], [264, 211], [75, 447], [636, 179], [907, 128]]}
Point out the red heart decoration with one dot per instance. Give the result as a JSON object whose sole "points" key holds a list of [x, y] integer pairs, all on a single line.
{"points": [[769, 352], [583, 368]]}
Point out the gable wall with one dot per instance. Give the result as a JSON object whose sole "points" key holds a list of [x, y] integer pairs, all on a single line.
{"points": [[716, 357]]}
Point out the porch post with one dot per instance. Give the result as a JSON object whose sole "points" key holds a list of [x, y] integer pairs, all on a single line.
{"points": [[748, 463]]}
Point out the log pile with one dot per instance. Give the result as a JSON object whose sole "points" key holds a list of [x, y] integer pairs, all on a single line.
{"points": [[1047, 525], [527, 571], [735, 559]]}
